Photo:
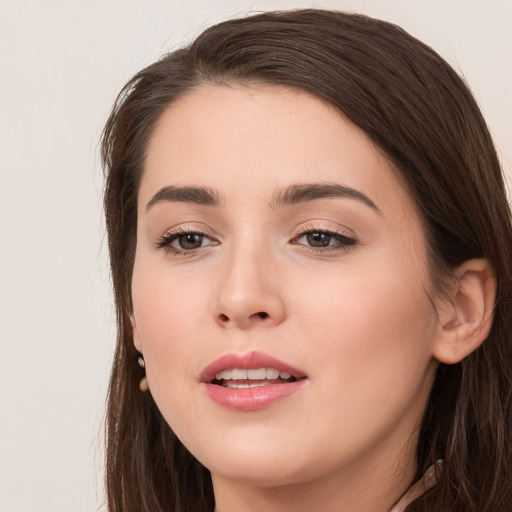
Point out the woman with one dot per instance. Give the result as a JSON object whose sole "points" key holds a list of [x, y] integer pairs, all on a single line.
{"points": [[310, 244]]}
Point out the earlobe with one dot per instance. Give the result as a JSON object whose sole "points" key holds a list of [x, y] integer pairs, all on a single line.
{"points": [[136, 338], [465, 318]]}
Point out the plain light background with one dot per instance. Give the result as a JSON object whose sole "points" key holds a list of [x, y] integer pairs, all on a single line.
{"points": [[61, 65]]}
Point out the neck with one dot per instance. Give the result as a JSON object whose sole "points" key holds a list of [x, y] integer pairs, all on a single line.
{"points": [[366, 489]]}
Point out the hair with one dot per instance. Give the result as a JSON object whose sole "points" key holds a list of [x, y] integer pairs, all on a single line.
{"points": [[422, 116]]}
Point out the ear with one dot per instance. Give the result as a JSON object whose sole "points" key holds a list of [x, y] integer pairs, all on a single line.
{"points": [[465, 316], [136, 337]]}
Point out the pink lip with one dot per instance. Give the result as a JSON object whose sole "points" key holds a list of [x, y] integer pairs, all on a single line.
{"points": [[250, 399]]}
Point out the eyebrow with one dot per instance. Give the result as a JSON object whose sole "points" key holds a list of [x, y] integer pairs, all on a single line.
{"points": [[294, 194], [304, 193], [195, 195]]}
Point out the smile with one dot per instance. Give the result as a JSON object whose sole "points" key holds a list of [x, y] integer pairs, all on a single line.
{"points": [[239, 378], [249, 382]]}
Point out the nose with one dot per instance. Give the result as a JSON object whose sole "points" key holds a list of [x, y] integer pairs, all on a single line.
{"points": [[249, 292]]}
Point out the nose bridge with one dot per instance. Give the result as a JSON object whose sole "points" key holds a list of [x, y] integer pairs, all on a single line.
{"points": [[248, 292]]}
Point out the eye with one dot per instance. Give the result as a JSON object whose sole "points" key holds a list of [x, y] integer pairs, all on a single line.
{"points": [[184, 242], [324, 240], [189, 241], [318, 239]]}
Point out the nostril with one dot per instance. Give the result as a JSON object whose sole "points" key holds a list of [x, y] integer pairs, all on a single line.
{"points": [[260, 315]]}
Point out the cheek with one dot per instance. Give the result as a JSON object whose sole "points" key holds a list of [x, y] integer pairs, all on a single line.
{"points": [[369, 350], [169, 315], [165, 304], [371, 326], [168, 326]]}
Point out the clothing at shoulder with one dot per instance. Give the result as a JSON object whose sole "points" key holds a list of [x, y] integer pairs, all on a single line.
{"points": [[419, 488]]}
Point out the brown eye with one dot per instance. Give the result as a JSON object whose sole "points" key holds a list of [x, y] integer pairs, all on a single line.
{"points": [[185, 242], [324, 240], [190, 241], [318, 239]]}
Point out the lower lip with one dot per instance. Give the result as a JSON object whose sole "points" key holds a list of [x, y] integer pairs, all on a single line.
{"points": [[252, 399]]}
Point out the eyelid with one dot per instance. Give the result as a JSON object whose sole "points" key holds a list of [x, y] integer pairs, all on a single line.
{"points": [[346, 241], [321, 226], [164, 241]]}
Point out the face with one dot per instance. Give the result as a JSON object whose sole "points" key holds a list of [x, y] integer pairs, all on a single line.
{"points": [[280, 289]]}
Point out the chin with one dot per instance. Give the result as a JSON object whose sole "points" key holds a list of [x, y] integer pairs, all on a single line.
{"points": [[263, 473], [261, 464]]}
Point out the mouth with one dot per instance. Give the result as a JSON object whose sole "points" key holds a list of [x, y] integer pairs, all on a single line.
{"points": [[249, 368], [240, 378], [252, 381]]}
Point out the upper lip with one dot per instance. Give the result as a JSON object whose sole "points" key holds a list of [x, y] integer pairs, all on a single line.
{"points": [[247, 361]]}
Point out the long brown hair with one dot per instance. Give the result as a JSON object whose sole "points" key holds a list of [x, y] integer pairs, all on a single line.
{"points": [[422, 116]]}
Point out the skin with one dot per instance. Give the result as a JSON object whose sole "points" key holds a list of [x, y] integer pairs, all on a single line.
{"points": [[355, 318]]}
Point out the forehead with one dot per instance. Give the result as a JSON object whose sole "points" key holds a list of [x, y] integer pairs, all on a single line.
{"points": [[259, 138]]}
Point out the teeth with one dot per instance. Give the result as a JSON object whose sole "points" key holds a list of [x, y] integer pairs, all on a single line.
{"points": [[259, 374], [272, 373], [236, 385], [252, 374], [237, 374], [224, 375]]}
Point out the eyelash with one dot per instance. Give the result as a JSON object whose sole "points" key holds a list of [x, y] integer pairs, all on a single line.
{"points": [[344, 242], [165, 241]]}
